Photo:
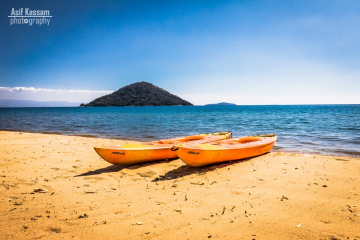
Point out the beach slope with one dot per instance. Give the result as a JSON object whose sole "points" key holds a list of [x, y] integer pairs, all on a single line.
{"points": [[57, 187]]}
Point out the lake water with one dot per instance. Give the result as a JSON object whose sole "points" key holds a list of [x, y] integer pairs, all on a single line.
{"points": [[323, 129]]}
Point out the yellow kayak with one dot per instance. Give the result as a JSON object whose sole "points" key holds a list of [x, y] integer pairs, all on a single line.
{"points": [[199, 154], [134, 153]]}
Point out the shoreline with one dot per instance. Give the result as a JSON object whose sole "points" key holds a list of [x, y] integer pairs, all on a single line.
{"points": [[56, 187], [59, 134]]}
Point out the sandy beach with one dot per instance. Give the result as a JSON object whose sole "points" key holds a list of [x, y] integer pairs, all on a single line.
{"points": [[57, 187]]}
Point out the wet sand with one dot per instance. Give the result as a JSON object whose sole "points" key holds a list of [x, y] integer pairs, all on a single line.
{"points": [[57, 187]]}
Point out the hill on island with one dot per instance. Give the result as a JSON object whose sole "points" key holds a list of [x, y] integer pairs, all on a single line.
{"points": [[221, 104], [138, 94]]}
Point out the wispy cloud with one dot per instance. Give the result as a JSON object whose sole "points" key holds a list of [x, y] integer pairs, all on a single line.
{"points": [[44, 94]]}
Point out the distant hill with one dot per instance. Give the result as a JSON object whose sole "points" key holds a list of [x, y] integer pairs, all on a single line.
{"points": [[221, 104], [138, 94], [29, 103]]}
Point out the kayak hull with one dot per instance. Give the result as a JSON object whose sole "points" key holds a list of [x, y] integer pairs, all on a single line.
{"points": [[134, 156], [140, 152], [227, 150]]}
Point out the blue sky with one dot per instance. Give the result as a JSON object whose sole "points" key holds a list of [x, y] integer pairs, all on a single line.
{"points": [[245, 52]]}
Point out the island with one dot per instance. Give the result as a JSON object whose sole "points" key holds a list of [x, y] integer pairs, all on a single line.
{"points": [[138, 94], [221, 104]]}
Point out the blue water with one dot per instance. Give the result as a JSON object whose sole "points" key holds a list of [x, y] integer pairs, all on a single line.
{"points": [[323, 129]]}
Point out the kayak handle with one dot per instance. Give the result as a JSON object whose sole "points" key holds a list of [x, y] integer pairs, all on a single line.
{"points": [[174, 148]]}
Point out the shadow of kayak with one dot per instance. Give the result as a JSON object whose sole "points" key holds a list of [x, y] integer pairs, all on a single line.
{"points": [[117, 168], [186, 170]]}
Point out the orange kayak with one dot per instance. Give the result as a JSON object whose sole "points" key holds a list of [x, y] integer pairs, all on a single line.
{"points": [[199, 154], [139, 152]]}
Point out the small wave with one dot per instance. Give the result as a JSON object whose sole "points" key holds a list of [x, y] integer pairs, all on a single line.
{"points": [[349, 128], [86, 135]]}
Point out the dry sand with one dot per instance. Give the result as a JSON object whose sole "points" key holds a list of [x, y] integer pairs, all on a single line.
{"points": [[273, 196]]}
